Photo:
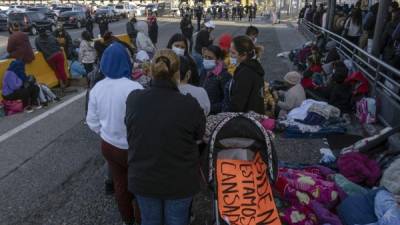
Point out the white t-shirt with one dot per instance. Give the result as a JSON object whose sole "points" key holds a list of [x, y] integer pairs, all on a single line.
{"points": [[199, 94], [107, 109]]}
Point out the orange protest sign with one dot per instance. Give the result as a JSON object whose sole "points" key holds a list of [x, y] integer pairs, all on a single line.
{"points": [[244, 193]]}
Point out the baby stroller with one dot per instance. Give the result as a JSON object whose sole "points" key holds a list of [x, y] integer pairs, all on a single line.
{"points": [[242, 163]]}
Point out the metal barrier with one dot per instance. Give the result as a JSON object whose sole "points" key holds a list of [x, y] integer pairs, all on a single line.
{"points": [[384, 79]]}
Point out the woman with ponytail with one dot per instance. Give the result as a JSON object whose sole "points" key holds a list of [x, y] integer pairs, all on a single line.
{"points": [[246, 90], [163, 129]]}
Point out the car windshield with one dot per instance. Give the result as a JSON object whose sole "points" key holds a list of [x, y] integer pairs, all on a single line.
{"points": [[101, 11], [20, 7], [65, 9], [37, 9], [119, 7], [16, 16], [36, 16], [68, 14]]}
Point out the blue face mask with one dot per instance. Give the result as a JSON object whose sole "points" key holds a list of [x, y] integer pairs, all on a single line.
{"points": [[209, 64], [233, 61]]}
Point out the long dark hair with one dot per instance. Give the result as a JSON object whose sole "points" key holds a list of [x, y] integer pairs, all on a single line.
{"points": [[356, 16], [178, 37], [194, 79]]}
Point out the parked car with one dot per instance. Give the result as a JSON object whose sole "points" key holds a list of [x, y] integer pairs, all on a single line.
{"points": [[4, 7], [125, 10], [60, 10], [72, 19], [46, 11], [31, 21], [3, 21], [106, 12], [16, 8]]}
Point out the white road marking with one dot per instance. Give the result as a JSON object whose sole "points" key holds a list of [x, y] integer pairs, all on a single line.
{"points": [[40, 117]]}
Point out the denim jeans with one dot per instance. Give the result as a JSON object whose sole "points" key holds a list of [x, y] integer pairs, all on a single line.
{"points": [[156, 211]]}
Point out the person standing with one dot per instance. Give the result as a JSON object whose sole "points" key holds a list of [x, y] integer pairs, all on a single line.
{"points": [[199, 15], [87, 52], [163, 154], [65, 41], [103, 25], [247, 86], [153, 27], [353, 26], [89, 23], [131, 30], [48, 45], [18, 45], [106, 114], [203, 40], [187, 30], [214, 77]]}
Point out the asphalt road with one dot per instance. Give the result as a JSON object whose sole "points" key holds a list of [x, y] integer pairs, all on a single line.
{"points": [[51, 168]]}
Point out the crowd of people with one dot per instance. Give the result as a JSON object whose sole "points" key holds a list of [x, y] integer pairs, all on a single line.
{"points": [[357, 25]]}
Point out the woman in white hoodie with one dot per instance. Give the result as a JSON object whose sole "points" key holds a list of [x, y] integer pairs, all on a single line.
{"points": [[143, 42], [106, 114], [87, 52]]}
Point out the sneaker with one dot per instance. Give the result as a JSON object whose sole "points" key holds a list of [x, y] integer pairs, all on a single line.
{"points": [[29, 109], [45, 104], [57, 99], [109, 188], [38, 107]]}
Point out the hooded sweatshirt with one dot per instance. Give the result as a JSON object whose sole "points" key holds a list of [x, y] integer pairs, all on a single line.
{"points": [[247, 88], [107, 102]]}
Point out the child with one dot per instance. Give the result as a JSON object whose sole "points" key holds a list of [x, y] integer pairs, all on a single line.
{"points": [[141, 73]]}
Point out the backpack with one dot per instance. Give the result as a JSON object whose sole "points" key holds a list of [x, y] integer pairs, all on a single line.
{"points": [[366, 110]]}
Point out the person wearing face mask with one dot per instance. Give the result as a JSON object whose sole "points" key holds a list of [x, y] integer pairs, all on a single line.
{"points": [[185, 88], [203, 40], [179, 44], [164, 127], [214, 77], [246, 92]]}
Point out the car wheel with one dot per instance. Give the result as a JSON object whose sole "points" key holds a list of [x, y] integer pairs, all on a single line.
{"points": [[78, 25], [34, 31]]}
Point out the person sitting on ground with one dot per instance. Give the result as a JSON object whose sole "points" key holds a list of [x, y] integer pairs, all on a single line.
{"points": [[247, 87], [164, 127], [143, 41], [17, 87], [18, 45], [214, 77], [65, 41], [337, 92], [48, 45], [87, 52], [105, 116], [185, 87], [293, 97], [141, 72], [179, 44], [333, 54]]}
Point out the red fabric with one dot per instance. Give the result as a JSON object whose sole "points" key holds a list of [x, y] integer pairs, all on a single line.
{"points": [[307, 83], [316, 68], [360, 82], [225, 42], [304, 53], [359, 169], [57, 63], [117, 159]]}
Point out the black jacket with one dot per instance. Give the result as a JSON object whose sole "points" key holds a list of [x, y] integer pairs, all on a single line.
{"points": [[187, 27], [47, 45], [202, 41], [214, 84], [163, 127], [247, 90], [68, 47]]}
